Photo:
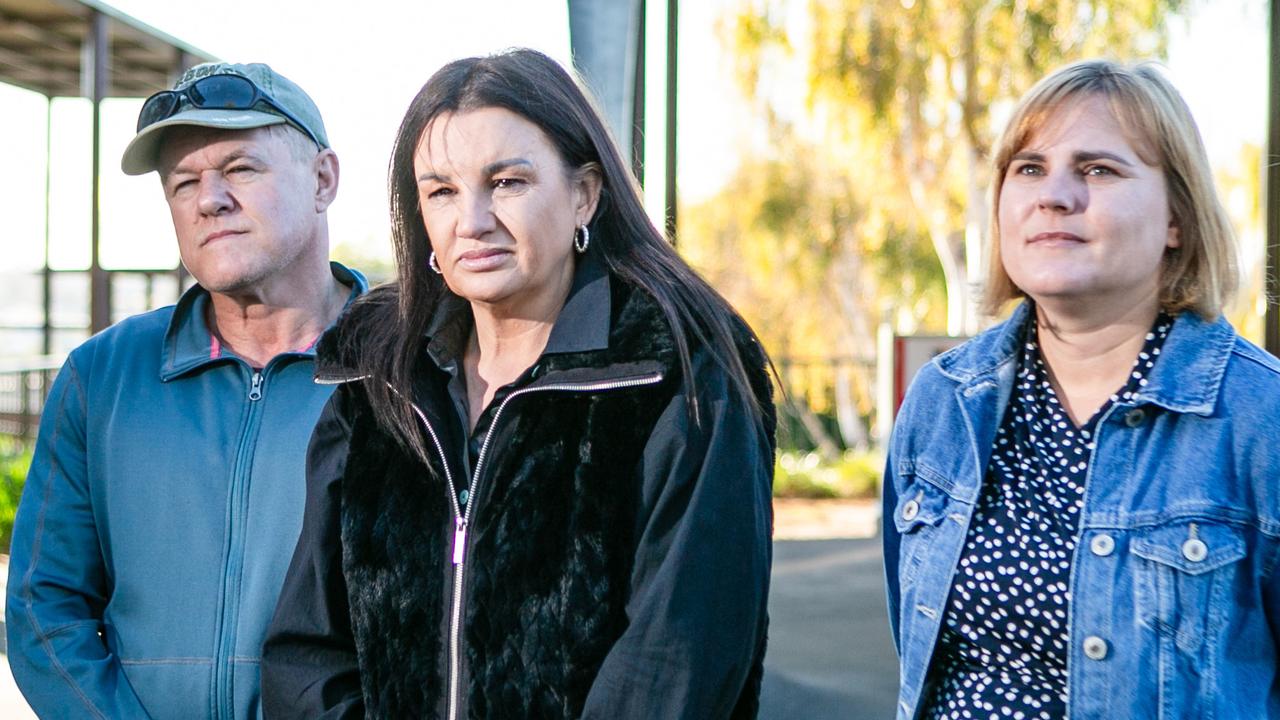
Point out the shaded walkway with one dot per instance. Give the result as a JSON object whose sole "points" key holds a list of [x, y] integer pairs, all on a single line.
{"points": [[830, 652]]}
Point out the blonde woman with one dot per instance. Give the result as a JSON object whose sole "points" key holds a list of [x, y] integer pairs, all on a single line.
{"points": [[1082, 510]]}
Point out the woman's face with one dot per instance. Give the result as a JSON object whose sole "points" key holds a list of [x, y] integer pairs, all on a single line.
{"points": [[1082, 217], [500, 208]]}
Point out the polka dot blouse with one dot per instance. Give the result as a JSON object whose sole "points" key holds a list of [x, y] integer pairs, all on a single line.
{"points": [[1002, 650]]}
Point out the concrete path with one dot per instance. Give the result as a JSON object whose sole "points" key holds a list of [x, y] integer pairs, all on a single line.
{"points": [[830, 656], [830, 653]]}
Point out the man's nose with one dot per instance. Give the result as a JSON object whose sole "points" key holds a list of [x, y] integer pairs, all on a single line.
{"points": [[214, 196]]}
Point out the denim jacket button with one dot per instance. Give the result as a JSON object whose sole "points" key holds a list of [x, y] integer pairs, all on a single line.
{"points": [[1095, 648], [910, 510], [1134, 417], [1195, 550], [1102, 545]]}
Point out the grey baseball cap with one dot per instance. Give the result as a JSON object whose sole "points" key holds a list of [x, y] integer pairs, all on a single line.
{"points": [[281, 99]]}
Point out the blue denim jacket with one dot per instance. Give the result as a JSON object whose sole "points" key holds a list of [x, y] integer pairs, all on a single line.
{"points": [[1175, 605]]}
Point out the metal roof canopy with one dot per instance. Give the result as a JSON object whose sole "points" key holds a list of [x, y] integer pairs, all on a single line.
{"points": [[83, 48], [47, 46]]}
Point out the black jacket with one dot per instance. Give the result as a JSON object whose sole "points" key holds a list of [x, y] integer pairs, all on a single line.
{"points": [[616, 557]]}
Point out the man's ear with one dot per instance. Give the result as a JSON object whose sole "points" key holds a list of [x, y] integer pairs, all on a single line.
{"points": [[325, 172], [587, 183]]}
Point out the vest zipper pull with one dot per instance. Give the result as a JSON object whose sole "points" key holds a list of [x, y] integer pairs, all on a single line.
{"points": [[255, 390], [459, 541]]}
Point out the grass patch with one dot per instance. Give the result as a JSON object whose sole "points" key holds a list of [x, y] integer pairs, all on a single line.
{"points": [[806, 475], [15, 459]]}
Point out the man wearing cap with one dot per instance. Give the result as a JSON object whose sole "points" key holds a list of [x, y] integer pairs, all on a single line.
{"points": [[166, 492]]}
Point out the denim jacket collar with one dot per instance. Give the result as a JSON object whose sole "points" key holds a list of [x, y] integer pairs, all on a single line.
{"points": [[1187, 378], [188, 343]]}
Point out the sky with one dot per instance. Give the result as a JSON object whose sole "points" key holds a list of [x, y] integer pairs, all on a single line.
{"points": [[363, 62]]}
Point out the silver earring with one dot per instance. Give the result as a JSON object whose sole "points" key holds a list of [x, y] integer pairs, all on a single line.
{"points": [[581, 239], [431, 262]]}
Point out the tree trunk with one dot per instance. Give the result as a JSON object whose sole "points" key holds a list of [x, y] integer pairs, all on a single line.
{"points": [[827, 447], [852, 429]]}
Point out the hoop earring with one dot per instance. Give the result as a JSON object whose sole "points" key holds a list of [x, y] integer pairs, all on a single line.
{"points": [[581, 239], [433, 264]]}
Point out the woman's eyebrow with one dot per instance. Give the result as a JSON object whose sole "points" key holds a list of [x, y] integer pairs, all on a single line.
{"points": [[1078, 157], [1090, 155], [493, 167], [500, 165]]}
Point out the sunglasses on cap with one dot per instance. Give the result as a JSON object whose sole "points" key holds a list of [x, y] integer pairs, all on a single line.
{"points": [[215, 92]]}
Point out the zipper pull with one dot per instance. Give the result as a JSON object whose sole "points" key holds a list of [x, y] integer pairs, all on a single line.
{"points": [[459, 541], [255, 391]]}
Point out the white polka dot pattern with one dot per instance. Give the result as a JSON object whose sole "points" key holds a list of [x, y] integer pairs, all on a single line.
{"points": [[1002, 650]]}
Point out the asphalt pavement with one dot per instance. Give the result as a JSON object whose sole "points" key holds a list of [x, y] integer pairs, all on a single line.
{"points": [[830, 653]]}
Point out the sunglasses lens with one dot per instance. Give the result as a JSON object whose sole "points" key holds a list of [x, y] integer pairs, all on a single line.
{"points": [[219, 92], [230, 92], [157, 107]]}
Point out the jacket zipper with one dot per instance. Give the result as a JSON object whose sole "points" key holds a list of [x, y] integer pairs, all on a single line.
{"points": [[222, 688], [462, 516], [344, 380]]}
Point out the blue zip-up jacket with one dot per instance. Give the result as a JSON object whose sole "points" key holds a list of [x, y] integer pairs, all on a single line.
{"points": [[159, 515], [1175, 602]]}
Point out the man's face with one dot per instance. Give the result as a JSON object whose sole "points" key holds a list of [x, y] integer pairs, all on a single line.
{"points": [[246, 208]]}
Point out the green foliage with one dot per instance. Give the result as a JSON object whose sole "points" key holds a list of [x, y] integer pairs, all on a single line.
{"points": [[376, 269], [15, 458], [795, 250], [903, 106], [806, 475], [866, 205]]}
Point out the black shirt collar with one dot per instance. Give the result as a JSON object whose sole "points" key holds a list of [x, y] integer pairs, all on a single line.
{"points": [[582, 325]]}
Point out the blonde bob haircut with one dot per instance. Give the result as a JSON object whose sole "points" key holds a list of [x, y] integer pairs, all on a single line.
{"points": [[1201, 273]]}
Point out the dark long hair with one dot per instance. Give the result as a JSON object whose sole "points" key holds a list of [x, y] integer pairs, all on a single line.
{"points": [[536, 88]]}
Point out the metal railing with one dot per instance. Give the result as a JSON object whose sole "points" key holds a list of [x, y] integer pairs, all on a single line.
{"points": [[818, 406], [25, 382], [24, 385], [48, 310]]}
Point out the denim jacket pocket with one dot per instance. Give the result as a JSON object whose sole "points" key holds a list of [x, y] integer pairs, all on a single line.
{"points": [[1183, 587], [922, 506]]}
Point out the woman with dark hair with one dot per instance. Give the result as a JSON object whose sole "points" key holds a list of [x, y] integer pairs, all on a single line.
{"points": [[1081, 508], [542, 487]]}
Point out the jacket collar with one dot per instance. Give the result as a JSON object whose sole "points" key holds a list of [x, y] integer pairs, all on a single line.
{"points": [[581, 326], [1192, 365], [583, 323], [188, 343], [1187, 378]]}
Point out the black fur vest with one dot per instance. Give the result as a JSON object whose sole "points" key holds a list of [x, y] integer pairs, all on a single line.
{"points": [[549, 544]]}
